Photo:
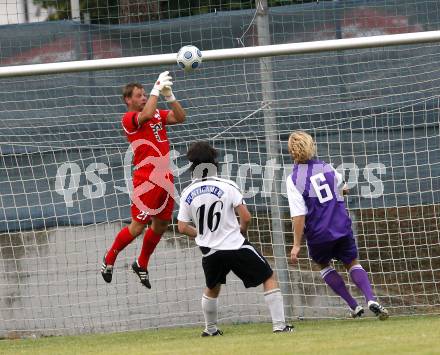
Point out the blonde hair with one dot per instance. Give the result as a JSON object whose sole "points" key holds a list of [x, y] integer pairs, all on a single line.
{"points": [[301, 146]]}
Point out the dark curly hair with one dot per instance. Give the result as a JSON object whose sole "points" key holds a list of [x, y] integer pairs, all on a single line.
{"points": [[203, 153]]}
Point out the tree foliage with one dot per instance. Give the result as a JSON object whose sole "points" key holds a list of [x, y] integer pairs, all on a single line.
{"points": [[132, 11]]}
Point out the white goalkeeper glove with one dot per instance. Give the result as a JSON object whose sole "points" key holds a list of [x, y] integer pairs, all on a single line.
{"points": [[163, 80], [167, 93]]}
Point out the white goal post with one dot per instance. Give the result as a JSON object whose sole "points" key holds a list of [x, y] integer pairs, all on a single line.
{"points": [[223, 54]]}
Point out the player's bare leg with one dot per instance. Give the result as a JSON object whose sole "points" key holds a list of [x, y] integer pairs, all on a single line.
{"points": [[151, 239], [274, 301], [360, 278], [136, 228], [209, 308], [124, 237], [332, 278]]}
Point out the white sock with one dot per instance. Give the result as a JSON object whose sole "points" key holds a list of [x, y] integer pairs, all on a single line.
{"points": [[274, 300], [209, 307]]}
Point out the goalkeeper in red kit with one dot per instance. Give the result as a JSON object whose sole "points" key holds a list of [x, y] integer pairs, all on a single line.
{"points": [[152, 197]]}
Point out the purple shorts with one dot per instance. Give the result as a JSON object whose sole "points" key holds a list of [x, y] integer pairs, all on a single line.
{"points": [[343, 249]]}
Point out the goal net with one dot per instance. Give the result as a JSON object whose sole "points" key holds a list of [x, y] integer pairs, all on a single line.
{"points": [[63, 182]]}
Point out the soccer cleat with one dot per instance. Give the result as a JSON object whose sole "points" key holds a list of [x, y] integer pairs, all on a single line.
{"points": [[205, 333], [106, 271], [287, 329], [357, 312], [378, 310], [143, 274]]}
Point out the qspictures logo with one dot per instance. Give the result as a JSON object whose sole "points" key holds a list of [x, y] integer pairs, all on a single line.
{"points": [[74, 184]]}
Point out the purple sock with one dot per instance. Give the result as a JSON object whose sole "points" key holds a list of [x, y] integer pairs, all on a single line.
{"points": [[337, 284], [360, 278]]}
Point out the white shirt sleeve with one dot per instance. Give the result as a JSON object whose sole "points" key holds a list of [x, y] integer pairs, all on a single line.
{"points": [[184, 211], [237, 197], [339, 178], [296, 201]]}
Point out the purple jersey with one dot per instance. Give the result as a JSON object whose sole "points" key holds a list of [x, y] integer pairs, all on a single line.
{"points": [[327, 218]]}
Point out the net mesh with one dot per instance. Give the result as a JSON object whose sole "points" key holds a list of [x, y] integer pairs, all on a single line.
{"points": [[373, 112]]}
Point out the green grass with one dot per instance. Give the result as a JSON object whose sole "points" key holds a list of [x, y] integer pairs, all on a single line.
{"points": [[410, 335]]}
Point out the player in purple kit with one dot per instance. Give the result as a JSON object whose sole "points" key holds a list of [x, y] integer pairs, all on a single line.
{"points": [[318, 212]]}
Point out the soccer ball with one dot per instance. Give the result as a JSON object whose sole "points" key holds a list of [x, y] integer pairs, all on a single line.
{"points": [[189, 58]]}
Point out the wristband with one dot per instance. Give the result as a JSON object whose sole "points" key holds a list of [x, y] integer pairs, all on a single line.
{"points": [[154, 92], [170, 98]]}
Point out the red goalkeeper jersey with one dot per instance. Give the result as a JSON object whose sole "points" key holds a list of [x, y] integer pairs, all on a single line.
{"points": [[148, 140]]}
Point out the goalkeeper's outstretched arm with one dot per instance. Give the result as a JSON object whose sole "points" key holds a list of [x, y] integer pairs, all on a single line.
{"points": [[150, 107], [177, 113]]}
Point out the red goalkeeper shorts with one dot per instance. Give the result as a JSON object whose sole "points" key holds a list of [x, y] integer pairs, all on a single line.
{"points": [[149, 199]]}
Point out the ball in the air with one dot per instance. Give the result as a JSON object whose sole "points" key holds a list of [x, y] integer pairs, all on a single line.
{"points": [[189, 58]]}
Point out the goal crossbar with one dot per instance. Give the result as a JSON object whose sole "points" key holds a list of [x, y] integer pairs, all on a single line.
{"points": [[222, 54]]}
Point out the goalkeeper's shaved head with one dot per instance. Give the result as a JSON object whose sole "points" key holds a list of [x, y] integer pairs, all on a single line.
{"points": [[203, 158]]}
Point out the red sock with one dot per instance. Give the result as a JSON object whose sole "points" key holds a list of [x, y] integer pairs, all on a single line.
{"points": [[121, 241], [151, 239]]}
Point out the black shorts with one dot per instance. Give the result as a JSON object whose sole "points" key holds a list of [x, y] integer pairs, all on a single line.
{"points": [[247, 263]]}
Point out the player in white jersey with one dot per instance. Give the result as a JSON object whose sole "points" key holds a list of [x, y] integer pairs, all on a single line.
{"points": [[211, 204]]}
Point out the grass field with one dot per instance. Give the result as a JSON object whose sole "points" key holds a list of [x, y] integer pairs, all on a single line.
{"points": [[404, 335]]}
